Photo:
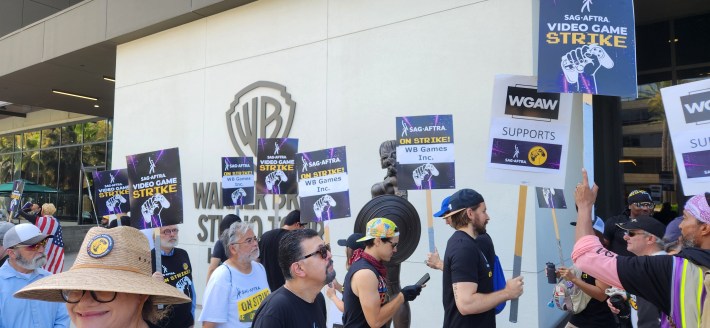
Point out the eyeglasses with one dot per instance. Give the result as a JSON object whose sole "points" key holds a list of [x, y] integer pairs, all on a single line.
{"points": [[34, 247], [170, 231], [394, 245], [633, 233], [248, 241], [644, 205], [74, 296], [322, 250]]}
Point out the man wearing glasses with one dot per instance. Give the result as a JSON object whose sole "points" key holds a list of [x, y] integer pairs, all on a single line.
{"points": [[24, 245], [307, 264], [644, 236], [365, 285], [238, 286], [269, 246], [176, 271], [640, 204]]}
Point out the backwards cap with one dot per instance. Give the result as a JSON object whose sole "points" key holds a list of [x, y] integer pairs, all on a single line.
{"points": [[380, 228]]}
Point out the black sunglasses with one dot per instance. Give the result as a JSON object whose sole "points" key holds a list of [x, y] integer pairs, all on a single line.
{"points": [[322, 250], [632, 233], [394, 245], [73, 296]]}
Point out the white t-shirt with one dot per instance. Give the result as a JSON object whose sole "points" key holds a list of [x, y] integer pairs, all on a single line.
{"points": [[231, 298]]}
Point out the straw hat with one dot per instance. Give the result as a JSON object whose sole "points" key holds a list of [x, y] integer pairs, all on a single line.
{"points": [[114, 260]]}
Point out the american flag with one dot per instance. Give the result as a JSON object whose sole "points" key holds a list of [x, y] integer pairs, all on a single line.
{"points": [[55, 249]]}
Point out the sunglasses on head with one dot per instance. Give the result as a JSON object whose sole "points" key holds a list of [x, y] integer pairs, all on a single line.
{"points": [[36, 246], [322, 250]]}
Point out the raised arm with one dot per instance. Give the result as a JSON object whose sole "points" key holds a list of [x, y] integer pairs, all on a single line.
{"points": [[584, 197]]}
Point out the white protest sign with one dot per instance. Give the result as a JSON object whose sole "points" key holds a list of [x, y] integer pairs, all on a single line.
{"points": [[529, 133], [687, 109]]}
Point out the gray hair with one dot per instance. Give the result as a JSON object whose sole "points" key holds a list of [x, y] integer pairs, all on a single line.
{"points": [[234, 233], [660, 244]]}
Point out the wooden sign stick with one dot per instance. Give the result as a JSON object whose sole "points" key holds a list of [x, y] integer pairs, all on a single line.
{"points": [[518, 252]]}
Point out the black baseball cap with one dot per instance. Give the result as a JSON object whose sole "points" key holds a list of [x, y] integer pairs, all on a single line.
{"points": [[463, 199], [639, 196], [645, 223], [292, 218], [352, 242]]}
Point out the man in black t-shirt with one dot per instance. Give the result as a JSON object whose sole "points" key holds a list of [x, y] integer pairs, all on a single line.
{"points": [[468, 296], [269, 248], [306, 263], [177, 272], [640, 204]]}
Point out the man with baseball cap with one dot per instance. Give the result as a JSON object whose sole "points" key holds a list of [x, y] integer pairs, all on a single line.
{"points": [[640, 203], [468, 298], [484, 240], [24, 245], [269, 247], [644, 236], [4, 227], [365, 291]]}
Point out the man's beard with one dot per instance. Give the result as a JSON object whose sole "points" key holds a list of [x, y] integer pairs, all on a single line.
{"points": [[253, 256], [33, 264], [478, 226], [169, 243], [329, 276], [687, 242]]}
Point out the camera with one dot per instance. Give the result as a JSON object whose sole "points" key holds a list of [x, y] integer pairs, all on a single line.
{"points": [[551, 273]]}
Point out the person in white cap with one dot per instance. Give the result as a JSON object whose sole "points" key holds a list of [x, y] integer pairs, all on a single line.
{"points": [[24, 245]]}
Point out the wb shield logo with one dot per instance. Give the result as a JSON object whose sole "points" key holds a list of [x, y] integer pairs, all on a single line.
{"points": [[261, 110]]}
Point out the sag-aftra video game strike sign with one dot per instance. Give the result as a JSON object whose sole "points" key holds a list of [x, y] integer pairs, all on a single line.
{"points": [[587, 46]]}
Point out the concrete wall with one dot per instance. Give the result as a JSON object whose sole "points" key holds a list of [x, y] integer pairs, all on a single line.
{"points": [[351, 67]]}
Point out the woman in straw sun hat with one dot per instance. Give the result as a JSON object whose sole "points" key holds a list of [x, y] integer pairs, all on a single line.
{"points": [[110, 283]]}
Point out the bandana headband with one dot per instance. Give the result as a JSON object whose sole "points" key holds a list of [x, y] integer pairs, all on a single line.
{"points": [[698, 206]]}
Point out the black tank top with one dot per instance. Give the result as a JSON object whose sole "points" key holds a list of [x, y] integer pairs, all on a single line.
{"points": [[353, 315]]}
